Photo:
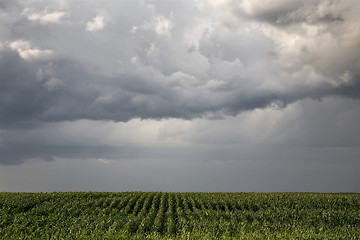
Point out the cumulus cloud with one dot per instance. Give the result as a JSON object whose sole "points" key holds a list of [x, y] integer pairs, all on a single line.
{"points": [[163, 26], [28, 53], [96, 24], [43, 17], [160, 25], [315, 40], [143, 75]]}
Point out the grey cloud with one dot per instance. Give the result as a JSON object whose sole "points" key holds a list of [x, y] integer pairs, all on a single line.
{"points": [[164, 175], [305, 131], [67, 91], [6, 4], [351, 91], [326, 33], [269, 11], [14, 153], [200, 69], [308, 145], [21, 95], [318, 12], [308, 123], [17, 153], [226, 45], [281, 12]]}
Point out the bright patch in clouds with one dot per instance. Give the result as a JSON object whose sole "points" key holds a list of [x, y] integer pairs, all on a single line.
{"points": [[96, 24], [44, 17], [163, 26], [104, 161], [28, 53]]}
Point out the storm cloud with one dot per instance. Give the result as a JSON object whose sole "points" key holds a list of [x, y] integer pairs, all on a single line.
{"points": [[202, 80]]}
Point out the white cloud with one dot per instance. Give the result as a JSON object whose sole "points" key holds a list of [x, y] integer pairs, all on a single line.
{"points": [[28, 53], [96, 24], [104, 161], [316, 42], [134, 29], [44, 17], [163, 26]]}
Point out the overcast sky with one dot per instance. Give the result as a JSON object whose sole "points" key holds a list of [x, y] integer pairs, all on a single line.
{"points": [[220, 95]]}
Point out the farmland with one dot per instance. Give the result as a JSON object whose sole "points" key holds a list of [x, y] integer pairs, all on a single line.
{"points": [[159, 215]]}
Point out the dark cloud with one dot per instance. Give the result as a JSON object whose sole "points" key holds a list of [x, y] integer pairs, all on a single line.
{"points": [[4, 5], [16, 153], [22, 97], [269, 11], [309, 145], [291, 12], [64, 91], [351, 91], [305, 131], [82, 81]]}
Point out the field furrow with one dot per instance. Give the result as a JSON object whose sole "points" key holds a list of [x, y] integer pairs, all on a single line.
{"points": [[158, 215]]}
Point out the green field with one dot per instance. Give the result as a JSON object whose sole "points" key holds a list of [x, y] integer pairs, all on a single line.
{"points": [[157, 215]]}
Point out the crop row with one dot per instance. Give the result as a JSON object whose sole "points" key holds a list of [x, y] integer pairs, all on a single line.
{"points": [[214, 215]]}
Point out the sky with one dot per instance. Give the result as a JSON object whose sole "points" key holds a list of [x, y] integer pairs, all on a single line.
{"points": [[195, 95]]}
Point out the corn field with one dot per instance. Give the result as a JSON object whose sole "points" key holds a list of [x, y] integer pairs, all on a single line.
{"points": [[159, 215]]}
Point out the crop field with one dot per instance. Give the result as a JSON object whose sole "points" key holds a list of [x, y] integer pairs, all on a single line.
{"points": [[158, 215]]}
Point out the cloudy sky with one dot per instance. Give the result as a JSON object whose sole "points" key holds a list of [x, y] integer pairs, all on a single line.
{"points": [[221, 95]]}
